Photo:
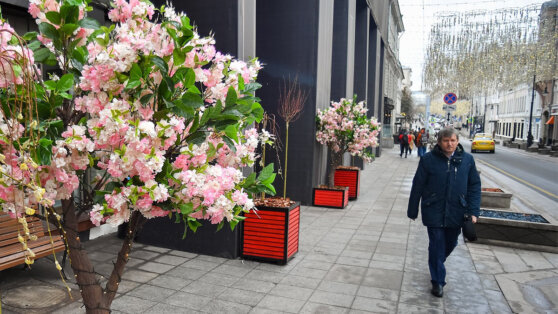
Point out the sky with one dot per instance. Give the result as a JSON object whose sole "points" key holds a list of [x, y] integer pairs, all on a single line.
{"points": [[418, 16]]}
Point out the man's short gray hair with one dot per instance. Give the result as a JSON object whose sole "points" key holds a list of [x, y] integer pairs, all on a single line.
{"points": [[447, 132]]}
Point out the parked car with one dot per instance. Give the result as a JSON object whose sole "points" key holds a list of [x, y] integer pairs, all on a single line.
{"points": [[483, 142]]}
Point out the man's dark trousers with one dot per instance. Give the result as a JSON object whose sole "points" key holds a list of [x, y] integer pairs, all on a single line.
{"points": [[442, 243]]}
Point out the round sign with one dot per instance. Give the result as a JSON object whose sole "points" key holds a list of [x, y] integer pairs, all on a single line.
{"points": [[450, 98]]}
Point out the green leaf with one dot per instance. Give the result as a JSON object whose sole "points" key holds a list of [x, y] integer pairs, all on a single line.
{"points": [[192, 100], [30, 36], [50, 85], [44, 151], [193, 224], [182, 110], [146, 98], [186, 209], [135, 72], [231, 97], [257, 112], [160, 63], [178, 56], [233, 223], [89, 23], [53, 17], [65, 83], [269, 180], [49, 31], [34, 45], [232, 132], [251, 179], [69, 13], [69, 29], [266, 172], [220, 226], [79, 54], [41, 54], [252, 87], [133, 84]]}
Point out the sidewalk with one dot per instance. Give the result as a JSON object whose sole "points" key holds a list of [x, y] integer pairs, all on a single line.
{"points": [[367, 258]]}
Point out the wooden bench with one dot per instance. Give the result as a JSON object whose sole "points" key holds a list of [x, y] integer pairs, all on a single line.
{"points": [[11, 250]]}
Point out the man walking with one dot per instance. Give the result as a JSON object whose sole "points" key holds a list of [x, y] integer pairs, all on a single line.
{"points": [[403, 143], [448, 186]]}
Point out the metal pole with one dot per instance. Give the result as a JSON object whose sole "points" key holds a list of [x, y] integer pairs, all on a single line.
{"points": [[529, 133]]}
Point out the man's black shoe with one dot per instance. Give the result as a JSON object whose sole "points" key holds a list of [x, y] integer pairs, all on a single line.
{"points": [[437, 290]]}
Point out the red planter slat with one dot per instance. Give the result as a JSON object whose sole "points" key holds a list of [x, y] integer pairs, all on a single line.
{"points": [[271, 234], [349, 178], [328, 197]]}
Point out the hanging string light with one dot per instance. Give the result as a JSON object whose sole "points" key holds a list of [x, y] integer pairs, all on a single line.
{"points": [[484, 51]]}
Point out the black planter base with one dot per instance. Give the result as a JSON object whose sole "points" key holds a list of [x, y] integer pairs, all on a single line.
{"points": [[163, 232]]}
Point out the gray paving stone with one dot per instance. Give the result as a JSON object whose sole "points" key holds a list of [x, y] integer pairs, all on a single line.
{"points": [[144, 254], [320, 257], [378, 293], [300, 281], [331, 298], [156, 249], [138, 275], [250, 298], [383, 278], [222, 306], [187, 300], [262, 310], [314, 264], [231, 270], [338, 287], [186, 273], [100, 256], [280, 304], [257, 274], [346, 274], [152, 293], [183, 254], [353, 261], [374, 305], [132, 305], [163, 308], [214, 259], [404, 308], [317, 308], [386, 265], [534, 260], [126, 285], [171, 260], [219, 279], [205, 289], [422, 299], [200, 264], [291, 292], [156, 267], [254, 285], [357, 254], [170, 282], [308, 272]]}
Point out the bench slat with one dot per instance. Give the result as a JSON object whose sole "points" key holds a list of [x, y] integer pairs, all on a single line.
{"points": [[11, 251], [40, 251]]}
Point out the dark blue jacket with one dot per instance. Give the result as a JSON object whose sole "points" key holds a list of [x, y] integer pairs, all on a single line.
{"points": [[447, 188]]}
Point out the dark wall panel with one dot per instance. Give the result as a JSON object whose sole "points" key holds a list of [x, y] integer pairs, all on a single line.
{"points": [[286, 42], [362, 20], [212, 16], [339, 50]]}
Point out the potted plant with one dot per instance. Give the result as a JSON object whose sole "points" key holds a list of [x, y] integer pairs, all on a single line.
{"points": [[343, 128], [271, 233]]}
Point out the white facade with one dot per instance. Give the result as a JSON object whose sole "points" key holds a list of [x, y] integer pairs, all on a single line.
{"points": [[513, 112]]}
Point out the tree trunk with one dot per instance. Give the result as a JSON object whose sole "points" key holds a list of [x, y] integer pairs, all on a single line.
{"points": [[85, 276], [336, 160], [95, 298]]}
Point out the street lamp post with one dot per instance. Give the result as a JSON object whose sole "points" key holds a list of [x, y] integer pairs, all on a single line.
{"points": [[530, 133]]}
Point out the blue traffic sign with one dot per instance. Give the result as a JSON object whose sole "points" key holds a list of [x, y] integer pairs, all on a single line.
{"points": [[450, 98]]}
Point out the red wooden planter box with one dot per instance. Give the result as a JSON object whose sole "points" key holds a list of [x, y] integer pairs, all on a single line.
{"points": [[271, 233], [330, 197], [350, 178]]}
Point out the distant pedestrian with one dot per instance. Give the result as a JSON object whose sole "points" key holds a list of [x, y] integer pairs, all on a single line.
{"points": [[411, 142], [403, 143], [448, 187], [422, 142]]}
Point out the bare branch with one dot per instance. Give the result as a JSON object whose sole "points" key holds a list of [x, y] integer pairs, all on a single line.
{"points": [[291, 100]]}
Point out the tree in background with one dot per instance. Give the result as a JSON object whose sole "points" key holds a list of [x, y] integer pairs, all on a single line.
{"points": [[407, 105]]}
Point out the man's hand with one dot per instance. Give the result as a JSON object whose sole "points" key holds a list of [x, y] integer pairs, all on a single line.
{"points": [[474, 219]]}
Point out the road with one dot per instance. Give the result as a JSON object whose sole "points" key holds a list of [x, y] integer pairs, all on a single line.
{"points": [[538, 173]]}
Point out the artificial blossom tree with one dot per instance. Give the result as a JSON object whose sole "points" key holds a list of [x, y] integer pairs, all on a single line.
{"points": [[144, 119], [345, 128]]}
